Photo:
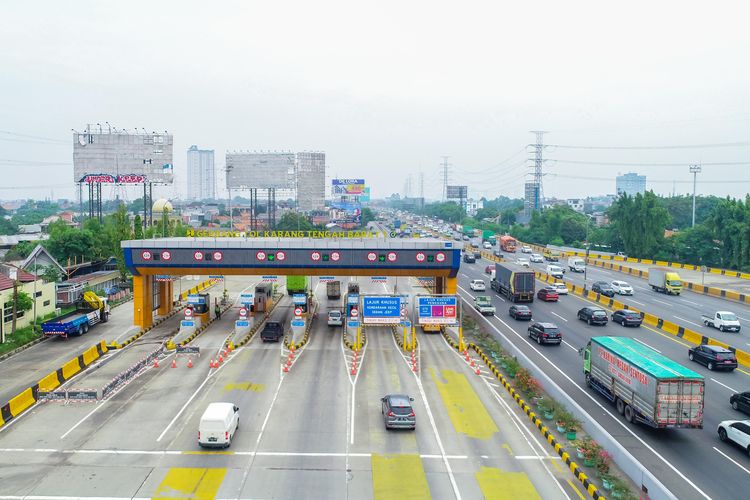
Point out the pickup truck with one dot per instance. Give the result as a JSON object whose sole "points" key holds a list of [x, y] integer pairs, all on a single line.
{"points": [[483, 304], [723, 320], [272, 331]]}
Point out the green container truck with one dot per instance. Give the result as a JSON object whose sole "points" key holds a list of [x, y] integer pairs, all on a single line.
{"points": [[297, 284]]}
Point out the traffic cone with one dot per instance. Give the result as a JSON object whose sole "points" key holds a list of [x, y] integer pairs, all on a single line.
{"points": [[354, 371], [156, 363], [211, 363], [190, 362], [472, 363], [479, 372], [286, 369], [174, 363], [288, 362], [221, 360], [414, 367]]}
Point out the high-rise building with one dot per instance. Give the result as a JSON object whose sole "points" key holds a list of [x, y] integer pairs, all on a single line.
{"points": [[201, 180], [311, 181], [630, 184]]}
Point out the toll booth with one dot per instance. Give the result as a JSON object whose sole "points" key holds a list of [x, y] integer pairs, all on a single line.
{"points": [[263, 297], [300, 300], [200, 303], [352, 302]]}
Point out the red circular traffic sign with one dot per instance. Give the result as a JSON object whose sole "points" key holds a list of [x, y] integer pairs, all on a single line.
{"points": [[243, 311], [392, 256], [188, 312], [261, 255], [298, 311], [280, 255], [335, 256], [198, 255], [218, 256], [354, 313], [440, 257], [166, 255], [420, 257], [372, 256], [146, 255], [315, 256]]}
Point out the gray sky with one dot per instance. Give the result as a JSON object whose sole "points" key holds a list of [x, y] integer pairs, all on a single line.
{"points": [[387, 88]]}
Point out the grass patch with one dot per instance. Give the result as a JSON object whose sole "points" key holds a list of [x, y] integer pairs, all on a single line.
{"points": [[22, 337]]}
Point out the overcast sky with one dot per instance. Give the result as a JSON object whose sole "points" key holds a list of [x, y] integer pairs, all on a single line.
{"points": [[387, 88]]}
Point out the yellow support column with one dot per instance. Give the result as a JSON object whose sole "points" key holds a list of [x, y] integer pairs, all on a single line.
{"points": [[450, 286], [165, 298], [143, 314]]}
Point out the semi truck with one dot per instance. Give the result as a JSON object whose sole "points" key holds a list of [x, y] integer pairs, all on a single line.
{"points": [[665, 281], [297, 284], [644, 385], [489, 237], [91, 310], [514, 282], [333, 289], [508, 244]]}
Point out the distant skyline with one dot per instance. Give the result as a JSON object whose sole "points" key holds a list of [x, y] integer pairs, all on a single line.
{"points": [[387, 95]]}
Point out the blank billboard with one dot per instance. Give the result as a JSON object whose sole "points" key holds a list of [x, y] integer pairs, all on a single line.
{"points": [[119, 157], [457, 192], [260, 170]]}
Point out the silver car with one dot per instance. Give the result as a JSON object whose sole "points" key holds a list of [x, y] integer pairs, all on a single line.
{"points": [[397, 412]]}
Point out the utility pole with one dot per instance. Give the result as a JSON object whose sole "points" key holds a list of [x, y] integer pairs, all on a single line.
{"points": [[538, 163], [445, 178], [228, 169], [14, 276], [695, 170]]}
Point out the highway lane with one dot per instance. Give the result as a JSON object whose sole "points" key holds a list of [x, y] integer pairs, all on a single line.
{"points": [[677, 447], [294, 439]]}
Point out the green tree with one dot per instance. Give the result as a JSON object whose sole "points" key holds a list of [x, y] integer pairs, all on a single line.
{"points": [[640, 222], [137, 227], [448, 211], [730, 226], [367, 216], [294, 221], [22, 302]]}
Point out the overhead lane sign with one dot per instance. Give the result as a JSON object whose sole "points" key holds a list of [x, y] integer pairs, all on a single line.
{"points": [[433, 310], [381, 310]]}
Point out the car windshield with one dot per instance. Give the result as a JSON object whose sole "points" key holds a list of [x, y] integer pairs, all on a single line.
{"points": [[728, 317], [724, 355], [599, 313], [400, 401], [674, 283], [551, 330], [334, 314]]}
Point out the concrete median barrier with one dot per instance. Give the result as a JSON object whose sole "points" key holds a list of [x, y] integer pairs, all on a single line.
{"points": [[22, 402]]}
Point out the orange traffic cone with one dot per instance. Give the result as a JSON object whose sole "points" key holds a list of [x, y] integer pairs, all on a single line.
{"points": [[211, 363], [174, 363], [190, 362], [156, 363], [478, 371], [286, 369], [221, 360]]}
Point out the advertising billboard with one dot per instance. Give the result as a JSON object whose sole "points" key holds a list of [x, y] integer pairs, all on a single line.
{"points": [[347, 187], [111, 157], [437, 310], [381, 310], [260, 170], [346, 211], [457, 192]]}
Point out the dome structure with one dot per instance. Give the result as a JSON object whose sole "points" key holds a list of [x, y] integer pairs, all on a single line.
{"points": [[162, 205]]}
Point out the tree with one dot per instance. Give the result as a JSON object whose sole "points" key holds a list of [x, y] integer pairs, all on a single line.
{"points": [[449, 211], [22, 302], [640, 221], [730, 225], [294, 221], [137, 227], [367, 216]]}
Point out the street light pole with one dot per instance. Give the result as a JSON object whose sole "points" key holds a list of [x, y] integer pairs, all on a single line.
{"points": [[695, 170]]}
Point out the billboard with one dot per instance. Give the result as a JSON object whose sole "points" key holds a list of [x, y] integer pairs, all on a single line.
{"points": [[457, 192], [347, 187], [365, 196], [346, 211], [117, 157], [260, 170], [437, 310], [381, 310]]}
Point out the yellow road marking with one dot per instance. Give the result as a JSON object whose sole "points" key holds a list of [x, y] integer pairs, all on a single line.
{"points": [[507, 447], [398, 476], [245, 386], [498, 485], [466, 411], [575, 489], [557, 466], [191, 483]]}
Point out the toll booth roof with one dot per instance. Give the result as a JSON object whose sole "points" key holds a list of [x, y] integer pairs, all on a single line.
{"points": [[292, 243]]}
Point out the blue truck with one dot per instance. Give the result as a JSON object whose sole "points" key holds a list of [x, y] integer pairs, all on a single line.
{"points": [[89, 311]]}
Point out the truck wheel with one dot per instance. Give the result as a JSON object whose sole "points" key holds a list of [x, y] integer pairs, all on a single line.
{"points": [[629, 414], [588, 380], [620, 406], [721, 328], [80, 330], [86, 328]]}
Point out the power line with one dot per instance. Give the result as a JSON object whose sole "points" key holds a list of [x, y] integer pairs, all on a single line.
{"points": [[654, 181], [479, 172], [634, 164], [27, 136], [682, 146], [35, 163]]}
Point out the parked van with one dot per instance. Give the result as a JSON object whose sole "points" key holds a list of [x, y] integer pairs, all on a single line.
{"points": [[218, 425]]}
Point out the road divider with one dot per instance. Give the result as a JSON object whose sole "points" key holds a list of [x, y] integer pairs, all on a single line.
{"points": [[172, 345], [290, 344], [28, 397], [257, 326], [669, 327]]}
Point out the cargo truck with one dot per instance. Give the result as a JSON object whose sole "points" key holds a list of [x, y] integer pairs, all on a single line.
{"points": [[508, 244], [576, 264], [333, 289], [297, 284], [91, 310], [483, 304], [488, 236], [514, 282], [551, 255], [665, 281], [644, 385]]}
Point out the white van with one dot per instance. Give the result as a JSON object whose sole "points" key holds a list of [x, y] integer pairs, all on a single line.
{"points": [[576, 264], [218, 425]]}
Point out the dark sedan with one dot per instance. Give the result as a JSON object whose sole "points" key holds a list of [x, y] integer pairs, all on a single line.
{"points": [[626, 317], [713, 356], [548, 295], [740, 401], [593, 315], [604, 288], [545, 333], [520, 312]]}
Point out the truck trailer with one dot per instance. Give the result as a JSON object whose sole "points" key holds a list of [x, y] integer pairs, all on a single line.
{"points": [[508, 244], [514, 282], [297, 284], [644, 385], [91, 310], [665, 281], [333, 290]]}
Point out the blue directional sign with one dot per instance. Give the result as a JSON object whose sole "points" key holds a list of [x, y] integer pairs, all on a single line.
{"points": [[196, 299], [437, 310], [241, 323], [247, 297], [352, 323], [187, 324], [381, 310], [352, 299], [299, 298], [298, 322]]}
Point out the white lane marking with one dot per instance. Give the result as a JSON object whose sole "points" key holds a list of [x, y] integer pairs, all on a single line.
{"points": [[649, 346], [662, 302], [200, 387], [687, 321], [636, 302], [270, 408], [743, 319], [570, 345], [616, 420], [731, 459], [525, 457], [465, 276], [553, 312], [723, 385], [689, 302], [500, 297]]}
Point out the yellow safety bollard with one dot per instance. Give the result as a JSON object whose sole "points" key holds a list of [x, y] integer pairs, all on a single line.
{"points": [[461, 346]]}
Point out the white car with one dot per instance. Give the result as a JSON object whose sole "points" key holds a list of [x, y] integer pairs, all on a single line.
{"points": [[523, 262], [555, 271], [477, 285], [737, 431], [535, 257], [622, 287], [526, 249], [487, 245], [560, 288]]}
